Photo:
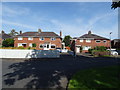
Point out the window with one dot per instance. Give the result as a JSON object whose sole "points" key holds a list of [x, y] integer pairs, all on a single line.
{"points": [[52, 46], [19, 44], [86, 47], [98, 41], [88, 40], [20, 38], [30, 38], [53, 38], [41, 38], [104, 41], [41, 46], [81, 40], [30, 45]]}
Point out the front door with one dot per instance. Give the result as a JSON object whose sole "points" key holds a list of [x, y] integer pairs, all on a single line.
{"points": [[77, 49]]}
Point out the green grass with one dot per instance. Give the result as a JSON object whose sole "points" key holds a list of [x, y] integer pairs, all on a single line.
{"points": [[96, 79]]}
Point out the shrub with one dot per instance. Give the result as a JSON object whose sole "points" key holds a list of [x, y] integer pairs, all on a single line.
{"points": [[81, 49], [100, 48], [100, 53], [90, 50], [34, 45], [20, 47], [8, 42]]}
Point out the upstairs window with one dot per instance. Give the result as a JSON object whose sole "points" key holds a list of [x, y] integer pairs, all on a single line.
{"points": [[53, 38], [41, 38], [88, 40], [20, 38], [81, 40], [30, 38], [104, 41], [98, 41]]}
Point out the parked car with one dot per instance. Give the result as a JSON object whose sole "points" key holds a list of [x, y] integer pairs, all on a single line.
{"points": [[59, 49], [113, 52], [118, 52]]}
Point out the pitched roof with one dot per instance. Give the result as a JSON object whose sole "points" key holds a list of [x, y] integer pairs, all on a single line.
{"points": [[37, 34], [92, 36], [5, 36]]}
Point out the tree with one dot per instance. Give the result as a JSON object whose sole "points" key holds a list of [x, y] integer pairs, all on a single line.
{"points": [[8, 42], [13, 32], [115, 4], [67, 40]]}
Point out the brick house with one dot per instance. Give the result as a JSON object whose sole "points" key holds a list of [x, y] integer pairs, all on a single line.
{"points": [[88, 41], [42, 40], [4, 36]]}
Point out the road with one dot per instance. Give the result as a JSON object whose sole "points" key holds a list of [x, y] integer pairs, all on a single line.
{"points": [[48, 73]]}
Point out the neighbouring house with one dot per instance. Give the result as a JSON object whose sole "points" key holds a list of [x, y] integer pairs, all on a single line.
{"points": [[115, 43], [88, 41], [42, 40], [4, 36]]}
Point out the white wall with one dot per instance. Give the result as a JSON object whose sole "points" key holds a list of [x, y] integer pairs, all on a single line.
{"points": [[15, 53]]}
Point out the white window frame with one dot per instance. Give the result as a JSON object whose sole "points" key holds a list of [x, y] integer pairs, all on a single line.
{"points": [[53, 38], [86, 47], [20, 38], [41, 39], [81, 40], [98, 40], [21, 44], [105, 41], [30, 38], [88, 40], [53, 45]]}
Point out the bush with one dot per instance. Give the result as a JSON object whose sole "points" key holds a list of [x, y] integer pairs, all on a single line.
{"points": [[100, 53], [20, 47], [100, 48], [81, 49], [34, 45], [8, 43], [90, 50]]}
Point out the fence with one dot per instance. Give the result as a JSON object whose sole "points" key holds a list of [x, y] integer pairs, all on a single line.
{"points": [[15, 53]]}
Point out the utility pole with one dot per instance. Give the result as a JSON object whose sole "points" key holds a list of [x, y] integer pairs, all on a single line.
{"points": [[110, 40]]}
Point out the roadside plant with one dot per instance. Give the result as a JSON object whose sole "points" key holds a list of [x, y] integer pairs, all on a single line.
{"points": [[34, 45]]}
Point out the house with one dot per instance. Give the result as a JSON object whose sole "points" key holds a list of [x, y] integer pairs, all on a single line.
{"points": [[4, 36], [42, 40], [88, 41], [115, 43]]}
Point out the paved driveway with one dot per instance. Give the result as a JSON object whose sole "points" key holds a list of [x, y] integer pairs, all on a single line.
{"points": [[48, 73]]}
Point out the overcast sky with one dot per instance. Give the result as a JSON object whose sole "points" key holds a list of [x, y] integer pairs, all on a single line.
{"points": [[74, 19]]}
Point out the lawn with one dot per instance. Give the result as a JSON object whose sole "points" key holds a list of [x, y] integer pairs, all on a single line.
{"points": [[96, 79]]}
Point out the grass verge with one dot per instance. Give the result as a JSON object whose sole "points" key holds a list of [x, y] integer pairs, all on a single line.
{"points": [[96, 79]]}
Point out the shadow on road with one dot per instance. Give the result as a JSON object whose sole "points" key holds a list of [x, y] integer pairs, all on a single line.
{"points": [[52, 73]]}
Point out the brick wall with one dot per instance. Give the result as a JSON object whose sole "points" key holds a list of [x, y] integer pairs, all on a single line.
{"points": [[36, 40], [93, 43]]}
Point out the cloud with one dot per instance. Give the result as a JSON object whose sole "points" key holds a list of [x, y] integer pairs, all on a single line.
{"points": [[11, 11], [17, 24]]}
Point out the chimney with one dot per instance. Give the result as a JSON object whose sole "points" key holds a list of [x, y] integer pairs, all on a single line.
{"points": [[89, 32], [39, 30], [20, 32], [60, 33]]}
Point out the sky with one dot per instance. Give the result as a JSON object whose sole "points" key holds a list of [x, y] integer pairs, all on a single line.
{"points": [[72, 18]]}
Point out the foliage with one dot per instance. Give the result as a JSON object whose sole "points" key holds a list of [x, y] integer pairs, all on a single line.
{"points": [[13, 32], [90, 50], [100, 53], [96, 79], [8, 43], [34, 45], [100, 48], [67, 40], [81, 49], [115, 4], [20, 47]]}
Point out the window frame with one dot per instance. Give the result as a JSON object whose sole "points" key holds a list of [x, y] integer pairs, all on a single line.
{"points": [[20, 37], [41, 39], [30, 37], [98, 40]]}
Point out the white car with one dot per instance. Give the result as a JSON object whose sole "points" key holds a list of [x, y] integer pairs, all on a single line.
{"points": [[113, 52], [64, 50]]}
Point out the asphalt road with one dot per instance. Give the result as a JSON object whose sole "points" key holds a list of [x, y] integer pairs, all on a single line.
{"points": [[48, 73]]}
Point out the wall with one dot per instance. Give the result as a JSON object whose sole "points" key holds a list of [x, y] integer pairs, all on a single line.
{"points": [[36, 40], [16, 53]]}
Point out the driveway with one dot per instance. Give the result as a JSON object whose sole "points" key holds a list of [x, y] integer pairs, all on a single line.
{"points": [[49, 73]]}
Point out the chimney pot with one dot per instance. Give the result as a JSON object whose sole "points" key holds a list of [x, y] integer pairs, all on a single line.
{"points": [[60, 33], [39, 30], [89, 32], [20, 32]]}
